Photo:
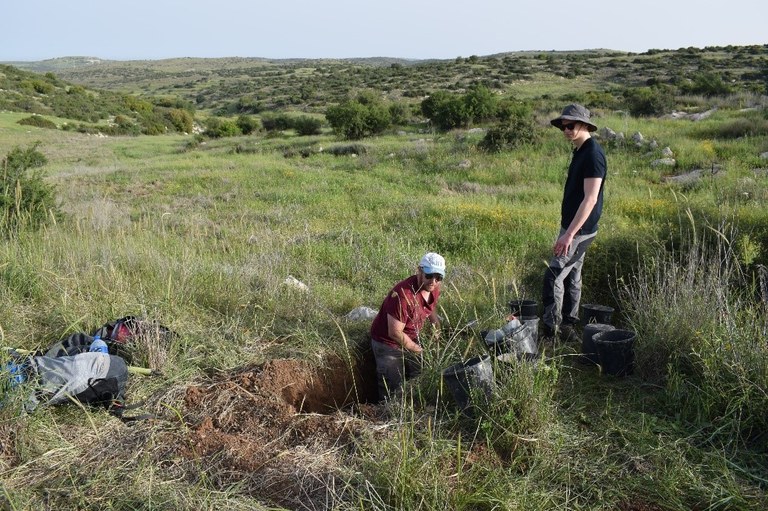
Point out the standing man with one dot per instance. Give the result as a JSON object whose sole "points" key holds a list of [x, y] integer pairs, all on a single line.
{"points": [[395, 330], [579, 213]]}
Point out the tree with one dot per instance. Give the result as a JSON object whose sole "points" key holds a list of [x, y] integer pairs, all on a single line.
{"points": [[358, 118], [347, 119], [480, 103], [445, 110]]}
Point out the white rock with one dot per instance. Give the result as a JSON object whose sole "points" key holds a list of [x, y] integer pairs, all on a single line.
{"points": [[361, 313], [663, 162], [295, 283]]}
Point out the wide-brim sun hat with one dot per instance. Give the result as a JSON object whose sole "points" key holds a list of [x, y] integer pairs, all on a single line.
{"points": [[432, 263], [575, 112]]}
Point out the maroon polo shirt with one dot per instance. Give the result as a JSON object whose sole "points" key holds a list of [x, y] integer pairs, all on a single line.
{"points": [[407, 305]]}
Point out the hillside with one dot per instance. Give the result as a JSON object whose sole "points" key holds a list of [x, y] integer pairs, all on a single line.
{"points": [[87, 109], [252, 85]]}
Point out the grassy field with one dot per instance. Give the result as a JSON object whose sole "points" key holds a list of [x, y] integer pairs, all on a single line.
{"points": [[202, 237]]}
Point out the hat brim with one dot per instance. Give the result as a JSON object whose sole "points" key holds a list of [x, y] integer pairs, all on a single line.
{"points": [[559, 121], [430, 269]]}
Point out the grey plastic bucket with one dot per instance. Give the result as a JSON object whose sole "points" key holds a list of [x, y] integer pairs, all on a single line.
{"points": [[594, 313], [473, 374], [616, 351], [588, 348], [521, 341], [524, 308], [529, 345]]}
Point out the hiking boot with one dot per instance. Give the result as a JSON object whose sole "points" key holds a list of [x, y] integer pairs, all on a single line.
{"points": [[547, 333], [568, 333]]}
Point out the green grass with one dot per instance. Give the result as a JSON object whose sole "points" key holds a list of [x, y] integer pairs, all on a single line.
{"points": [[202, 239]]}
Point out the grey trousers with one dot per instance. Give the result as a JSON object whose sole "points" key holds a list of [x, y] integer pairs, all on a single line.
{"points": [[393, 367], [561, 292]]}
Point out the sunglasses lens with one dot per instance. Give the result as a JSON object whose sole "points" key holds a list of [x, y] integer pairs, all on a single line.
{"points": [[568, 126], [435, 276]]}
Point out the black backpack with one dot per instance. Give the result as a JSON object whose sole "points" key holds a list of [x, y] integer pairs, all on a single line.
{"points": [[117, 334], [68, 370]]}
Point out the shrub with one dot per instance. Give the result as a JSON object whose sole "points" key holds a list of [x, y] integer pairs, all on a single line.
{"points": [[518, 130], [749, 126], [509, 109], [26, 199], [181, 120], [354, 119], [153, 123], [445, 110], [276, 122], [38, 121], [480, 103], [216, 127], [38, 86], [646, 101], [707, 84], [347, 119], [247, 124], [306, 125], [399, 113], [344, 150]]}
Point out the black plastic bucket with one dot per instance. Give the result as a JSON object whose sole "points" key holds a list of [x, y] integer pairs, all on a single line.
{"points": [[616, 351], [524, 308], [593, 313], [588, 348], [473, 374]]}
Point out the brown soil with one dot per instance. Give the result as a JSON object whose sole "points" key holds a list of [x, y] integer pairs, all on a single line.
{"points": [[282, 427]]}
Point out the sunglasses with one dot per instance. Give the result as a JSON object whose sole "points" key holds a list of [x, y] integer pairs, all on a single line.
{"points": [[568, 126], [435, 276]]}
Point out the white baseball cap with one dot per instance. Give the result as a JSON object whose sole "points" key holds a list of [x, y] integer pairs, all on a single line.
{"points": [[432, 263]]}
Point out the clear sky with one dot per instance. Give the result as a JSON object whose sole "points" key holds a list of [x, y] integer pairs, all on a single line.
{"points": [[418, 29]]}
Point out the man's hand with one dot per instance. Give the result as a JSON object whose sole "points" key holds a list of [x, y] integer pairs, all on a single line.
{"points": [[414, 348], [396, 332], [562, 245]]}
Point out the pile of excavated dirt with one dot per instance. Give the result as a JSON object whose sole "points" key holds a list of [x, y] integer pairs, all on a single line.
{"points": [[282, 427]]}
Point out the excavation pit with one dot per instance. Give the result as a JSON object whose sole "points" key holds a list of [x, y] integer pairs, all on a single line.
{"points": [[264, 423]]}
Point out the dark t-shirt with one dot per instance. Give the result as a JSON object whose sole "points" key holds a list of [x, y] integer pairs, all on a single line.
{"points": [[588, 161], [405, 303]]}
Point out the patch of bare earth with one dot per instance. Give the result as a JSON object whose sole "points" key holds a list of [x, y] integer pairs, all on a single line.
{"points": [[283, 428]]}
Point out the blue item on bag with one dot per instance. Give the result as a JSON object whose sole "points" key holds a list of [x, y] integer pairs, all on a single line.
{"points": [[98, 345]]}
